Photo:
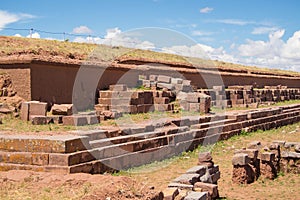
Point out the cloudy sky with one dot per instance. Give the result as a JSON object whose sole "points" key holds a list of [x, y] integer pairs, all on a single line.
{"points": [[258, 32]]}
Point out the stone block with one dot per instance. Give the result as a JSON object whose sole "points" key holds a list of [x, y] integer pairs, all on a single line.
{"points": [[92, 119], [199, 169], [165, 85], [176, 81], [40, 159], [267, 156], [24, 112], [252, 153], [37, 108], [119, 87], [38, 119], [240, 159], [62, 109], [196, 196], [194, 107], [186, 82], [75, 120], [181, 186], [204, 157], [170, 193], [164, 79], [187, 179], [153, 77], [161, 100], [212, 189]]}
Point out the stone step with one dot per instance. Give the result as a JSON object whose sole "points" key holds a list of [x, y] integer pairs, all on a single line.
{"points": [[46, 144], [91, 134], [212, 124]]}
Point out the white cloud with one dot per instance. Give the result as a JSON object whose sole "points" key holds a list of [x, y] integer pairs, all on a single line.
{"points": [[82, 30], [263, 30], [201, 33], [234, 22], [8, 18], [34, 35], [206, 10], [18, 35], [274, 53]]}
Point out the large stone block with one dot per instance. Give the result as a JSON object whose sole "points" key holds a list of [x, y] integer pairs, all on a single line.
{"points": [[38, 119], [24, 112], [119, 87], [197, 196], [37, 108], [170, 193], [62, 109], [187, 179], [212, 189], [240, 159], [164, 79], [75, 120]]}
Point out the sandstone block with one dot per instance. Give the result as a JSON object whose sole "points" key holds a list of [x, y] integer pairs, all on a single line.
{"points": [[38, 119], [212, 189], [75, 120], [62, 109], [197, 196], [119, 87], [240, 159], [267, 156], [170, 193], [187, 179], [24, 112], [164, 79], [37, 108]]}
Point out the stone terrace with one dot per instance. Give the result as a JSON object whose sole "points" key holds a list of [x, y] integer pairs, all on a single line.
{"points": [[99, 151]]}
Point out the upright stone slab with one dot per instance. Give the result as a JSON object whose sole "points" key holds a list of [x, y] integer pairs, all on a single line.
{"points": [[197, 196], [24, 112]]}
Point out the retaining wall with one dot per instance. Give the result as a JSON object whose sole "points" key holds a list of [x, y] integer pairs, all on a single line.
{"points": [[99, 151]]}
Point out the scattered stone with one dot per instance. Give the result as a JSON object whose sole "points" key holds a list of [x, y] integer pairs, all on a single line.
{"points": [[196, 196], [187, 179], [199, 169], [62, 109], [212, 189], [170, 193], [297, 148]]}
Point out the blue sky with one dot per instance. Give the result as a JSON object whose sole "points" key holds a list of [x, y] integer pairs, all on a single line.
{"points": [[257, 32]]}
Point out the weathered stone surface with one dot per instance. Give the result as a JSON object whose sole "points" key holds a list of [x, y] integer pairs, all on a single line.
{"points": [[204, 157], [212, 189], [240, 159], [181, 186], [197, 196], [293, 155], [187, 179], [252, 153], [267, 156], [164, 79], [297, 148], [24, 112], [197, 170], [243, 174], [62, 109], [119, 87], [75, 120], [38, 119], [170, 193], [37, 108]]}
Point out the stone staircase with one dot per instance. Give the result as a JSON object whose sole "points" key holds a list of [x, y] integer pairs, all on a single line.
{"points": [[99, 151]]}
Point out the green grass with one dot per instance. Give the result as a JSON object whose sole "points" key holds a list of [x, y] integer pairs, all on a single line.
{"points": [[104, 53]]}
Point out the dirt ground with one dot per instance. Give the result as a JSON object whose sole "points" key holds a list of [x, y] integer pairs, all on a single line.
{"points": [[34, 185]]}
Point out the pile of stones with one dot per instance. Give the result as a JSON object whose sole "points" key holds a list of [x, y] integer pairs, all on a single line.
{"points": [[199, 182], [266, 161]]}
